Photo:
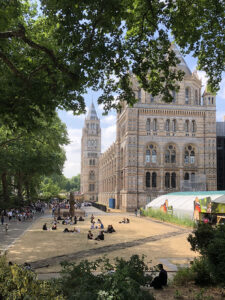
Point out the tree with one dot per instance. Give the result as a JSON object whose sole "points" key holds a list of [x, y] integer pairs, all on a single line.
{"points": [[25, 160], [52, 57]]}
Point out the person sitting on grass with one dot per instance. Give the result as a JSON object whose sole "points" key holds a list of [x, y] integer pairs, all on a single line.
{"points": [[45, 227], [161, 280], [90, 235], [110, 229], [54, 227], [100, 236], [92, 225], [81, 218]]}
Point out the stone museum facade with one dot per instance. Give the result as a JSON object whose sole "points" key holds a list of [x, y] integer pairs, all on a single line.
{"points": [[160, 147]]}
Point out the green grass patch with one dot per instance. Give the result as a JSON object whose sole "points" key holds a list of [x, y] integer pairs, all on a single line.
{"points": [[158, 214]]}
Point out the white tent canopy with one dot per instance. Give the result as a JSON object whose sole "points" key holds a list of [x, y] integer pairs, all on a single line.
{"points": [[183, 202]]}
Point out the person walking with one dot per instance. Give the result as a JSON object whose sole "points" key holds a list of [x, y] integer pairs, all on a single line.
{"points": [[2, 219]]}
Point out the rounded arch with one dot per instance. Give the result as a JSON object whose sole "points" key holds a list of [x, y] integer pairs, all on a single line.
{"points": [[190, 154], [170, 153], [187, 94], [151, 153]]}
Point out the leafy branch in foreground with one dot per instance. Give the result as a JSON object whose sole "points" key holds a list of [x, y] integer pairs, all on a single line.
{"points": [[52, 56]]}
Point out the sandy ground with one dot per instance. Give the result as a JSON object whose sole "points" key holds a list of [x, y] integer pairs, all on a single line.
{"points": [[141, 236]]}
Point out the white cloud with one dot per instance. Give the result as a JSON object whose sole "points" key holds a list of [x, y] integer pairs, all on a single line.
{"points": [[108, 136], [221, 93], [110, 119], [73, 153], [203, 77]]}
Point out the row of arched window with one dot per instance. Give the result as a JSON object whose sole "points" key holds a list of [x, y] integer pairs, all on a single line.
{"points": [[197, 96], [171, 125], [170, 154], [92, 162], [170, 179]]}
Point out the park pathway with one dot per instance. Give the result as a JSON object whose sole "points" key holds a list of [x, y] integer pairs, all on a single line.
{"points": [[16, 230]]}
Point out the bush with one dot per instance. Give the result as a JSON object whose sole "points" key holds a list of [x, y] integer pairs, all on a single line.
{"points": [[17, 283], [124, 282], [210, 241], [198, 272], [160, 215], [184, 276]]}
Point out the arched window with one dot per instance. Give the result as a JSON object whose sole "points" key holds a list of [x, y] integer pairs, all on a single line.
{"points": [[167, 156], [151, 154], [90, 162], [151, 98], [139, 94], [154, 179], [192, 157], [186, 176], [170, 154], [154, 125], [148, 177], [189, 155], [173, 180], [174, 96], [154, 156], [187, 95], [148, 156], [186, 157], [93, 162], [92, 175], [148, 125], [167, 180], [196, 97], [212, 100], [193, 126], [186, 127], [174, 125], [167, 125]]}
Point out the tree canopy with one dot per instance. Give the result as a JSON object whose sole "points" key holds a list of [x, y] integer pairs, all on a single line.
{"points": [[51, 56], [25, 157]]}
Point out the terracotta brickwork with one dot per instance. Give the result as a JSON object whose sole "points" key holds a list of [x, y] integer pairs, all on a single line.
{"points": [[159, 145]]}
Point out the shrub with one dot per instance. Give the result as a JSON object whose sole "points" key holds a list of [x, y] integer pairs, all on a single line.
{"points": [[124, 282], [198, 272], [183, 276], [210, 241], [17, 283], [158, 214]]}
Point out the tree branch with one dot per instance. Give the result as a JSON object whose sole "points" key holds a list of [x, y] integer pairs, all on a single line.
{"points": [[21, 33], [11, 66], [10, 141]]}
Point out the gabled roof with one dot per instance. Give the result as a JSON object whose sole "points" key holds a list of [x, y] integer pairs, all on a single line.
{"points": [[92, 115]]}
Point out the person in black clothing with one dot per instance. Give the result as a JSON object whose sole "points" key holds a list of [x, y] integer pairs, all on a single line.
{"points": [[81, 219], [75, 220], [45, 227], [110, 229], [161, 280], [90, 235], [100, 237]]}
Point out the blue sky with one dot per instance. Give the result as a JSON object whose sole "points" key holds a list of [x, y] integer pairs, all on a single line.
{"points": [[108, 123]]}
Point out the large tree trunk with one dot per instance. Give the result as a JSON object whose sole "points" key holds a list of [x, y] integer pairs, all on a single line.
{"points": [[5, 187], [20, 187]]}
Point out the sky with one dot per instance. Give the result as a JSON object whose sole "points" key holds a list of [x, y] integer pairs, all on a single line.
{"points": [[108, 123]]}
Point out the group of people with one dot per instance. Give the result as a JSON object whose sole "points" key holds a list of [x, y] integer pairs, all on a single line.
{"points": [[125, 221], [98, 225], [21, 214]]}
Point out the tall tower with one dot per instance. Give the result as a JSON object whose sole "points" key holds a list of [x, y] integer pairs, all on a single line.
{"points": [[90, 153]]}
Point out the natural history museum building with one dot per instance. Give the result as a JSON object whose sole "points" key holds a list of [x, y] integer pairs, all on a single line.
{"points": [[160, 147]]}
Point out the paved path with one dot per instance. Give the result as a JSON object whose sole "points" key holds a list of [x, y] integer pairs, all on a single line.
{"points": [[16, 230]]}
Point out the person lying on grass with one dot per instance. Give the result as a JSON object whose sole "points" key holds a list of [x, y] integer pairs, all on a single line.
{"points": [[125, 221]]}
